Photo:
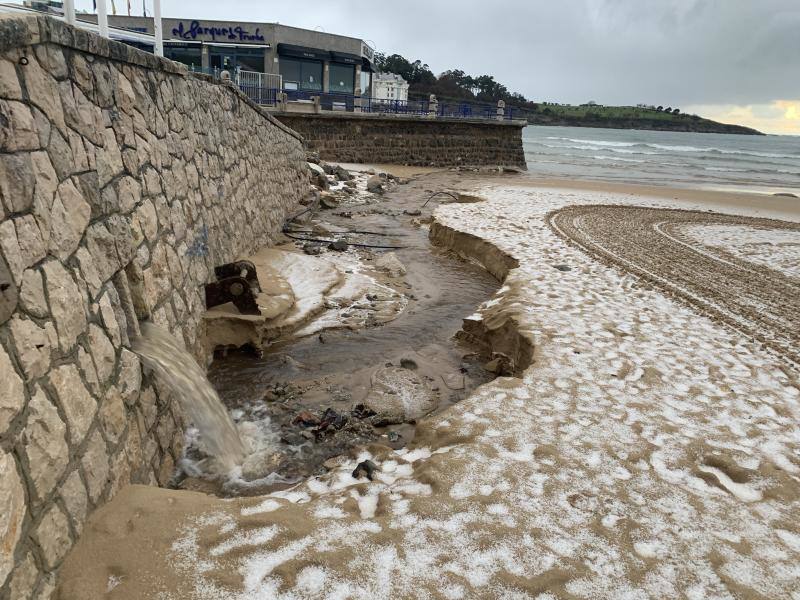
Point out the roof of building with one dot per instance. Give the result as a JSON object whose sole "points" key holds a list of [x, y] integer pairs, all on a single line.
{"points": [[389, 77]]}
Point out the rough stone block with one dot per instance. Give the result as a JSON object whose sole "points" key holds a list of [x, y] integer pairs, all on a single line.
{"points": [[17, 181], [70, 216], [12, 513], [12, 392], [75, 498], [45, 444], [33, 346], [31, 294], [67, 305], [53, 537], [95, 466], [75, 400]]}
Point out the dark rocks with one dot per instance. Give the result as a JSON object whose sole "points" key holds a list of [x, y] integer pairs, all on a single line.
{"points": [[342, 174], [312, 249], [365, 469], [361, 411], [408, 363], [339, 246], [562, 267], [375, 184], [414, 212], [331, 419]]}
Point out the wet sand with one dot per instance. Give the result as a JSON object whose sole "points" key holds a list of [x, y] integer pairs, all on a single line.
{"points": [[646, 451], [778, 207]]}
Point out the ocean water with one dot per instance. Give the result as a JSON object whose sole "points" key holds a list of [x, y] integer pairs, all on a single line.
{"points": [[763, 164]]}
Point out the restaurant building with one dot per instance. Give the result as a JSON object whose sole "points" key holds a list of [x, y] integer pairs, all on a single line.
{"points": [[307, 60]]}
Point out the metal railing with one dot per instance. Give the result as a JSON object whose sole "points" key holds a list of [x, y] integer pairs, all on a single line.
{"points": [[261, 88], [267, 89]]}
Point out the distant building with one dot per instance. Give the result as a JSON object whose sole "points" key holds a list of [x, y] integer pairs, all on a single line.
{"points": [[389, 86], [306, 60]]}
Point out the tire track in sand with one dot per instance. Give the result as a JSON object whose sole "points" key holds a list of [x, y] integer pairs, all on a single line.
{"points": [[760, 302]]}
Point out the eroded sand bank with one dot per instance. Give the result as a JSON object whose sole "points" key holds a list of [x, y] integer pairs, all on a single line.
{"points": [[646, 451]]}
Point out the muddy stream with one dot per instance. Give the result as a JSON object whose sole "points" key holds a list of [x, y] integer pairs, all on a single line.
{"points": [[302, 400]]}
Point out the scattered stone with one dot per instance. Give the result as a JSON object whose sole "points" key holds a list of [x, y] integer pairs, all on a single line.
{"points": [[316, 169], [393, 436], [563, 267], [399, 395], [339, 245], [331, 418], [365, 469], [375, 184], [312, 249], [391, 265], [260, 464], [306, 419], [408, 363], [342, 174], [414, 212], [361, 411]]}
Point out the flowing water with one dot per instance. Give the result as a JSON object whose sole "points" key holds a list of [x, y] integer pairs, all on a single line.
{"points": [[763, 164], [179, 371]]}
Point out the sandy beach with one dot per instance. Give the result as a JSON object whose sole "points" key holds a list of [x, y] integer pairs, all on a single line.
{"points": [[648, 450]]}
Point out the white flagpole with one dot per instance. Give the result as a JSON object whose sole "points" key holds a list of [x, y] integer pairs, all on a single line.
{"points": [[102, 18], [69, 11], [157, 28]]}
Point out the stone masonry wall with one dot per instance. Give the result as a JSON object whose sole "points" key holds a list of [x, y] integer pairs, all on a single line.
{"points": [[404, 140], [123, 182]]}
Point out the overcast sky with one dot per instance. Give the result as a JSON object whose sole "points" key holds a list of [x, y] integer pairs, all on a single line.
{"points": [[724, 57]]}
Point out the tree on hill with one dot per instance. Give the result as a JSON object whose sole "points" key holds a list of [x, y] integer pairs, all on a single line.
{"points": [[453, 84]]}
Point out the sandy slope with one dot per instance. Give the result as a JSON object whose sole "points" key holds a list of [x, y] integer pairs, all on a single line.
{"points": [[646, 452]]}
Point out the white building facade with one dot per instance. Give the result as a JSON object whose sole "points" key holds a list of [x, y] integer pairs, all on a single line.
{"points": [[389, 86]]}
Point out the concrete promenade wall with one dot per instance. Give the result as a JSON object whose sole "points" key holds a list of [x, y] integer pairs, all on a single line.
{"points": [[123, 182], [410, 140]]}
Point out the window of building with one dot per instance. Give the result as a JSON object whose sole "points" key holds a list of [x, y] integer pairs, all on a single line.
{"points": [[250, 59], [342, 78], [301, 74], [188, 55]]}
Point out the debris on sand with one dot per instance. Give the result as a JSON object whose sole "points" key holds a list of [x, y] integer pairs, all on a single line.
{"points": [[365, 469]]}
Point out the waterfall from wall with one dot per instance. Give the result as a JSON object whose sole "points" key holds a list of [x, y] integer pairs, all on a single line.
{"points": [[177, 369]]}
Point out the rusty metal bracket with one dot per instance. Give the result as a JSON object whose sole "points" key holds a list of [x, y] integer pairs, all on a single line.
{"points": [[237, 282]]}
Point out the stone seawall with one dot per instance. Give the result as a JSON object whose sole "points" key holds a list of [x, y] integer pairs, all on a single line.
{"points": [[123, 182], [410, 140]]}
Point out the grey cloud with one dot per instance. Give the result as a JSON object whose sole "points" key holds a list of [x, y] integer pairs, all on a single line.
{"points": [[676, 52]]}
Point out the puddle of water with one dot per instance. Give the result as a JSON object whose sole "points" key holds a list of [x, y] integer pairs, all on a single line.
{"points": [[335, 370]]}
